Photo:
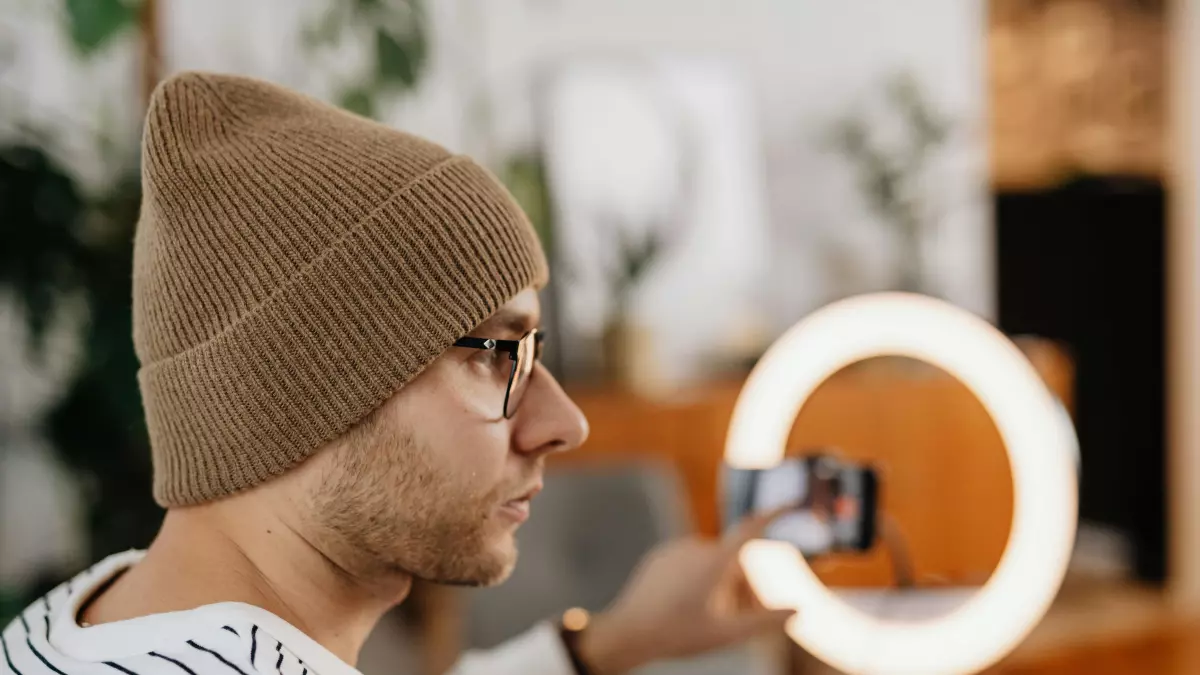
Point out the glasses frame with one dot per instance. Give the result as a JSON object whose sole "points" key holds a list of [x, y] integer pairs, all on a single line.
{"points": [[513, 349]]}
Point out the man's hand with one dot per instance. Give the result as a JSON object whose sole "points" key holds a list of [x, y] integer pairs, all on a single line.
{"points": [[680, 601]]}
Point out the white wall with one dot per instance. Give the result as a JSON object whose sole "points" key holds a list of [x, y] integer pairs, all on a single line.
{"points": [[806, 62], [667, 147]]}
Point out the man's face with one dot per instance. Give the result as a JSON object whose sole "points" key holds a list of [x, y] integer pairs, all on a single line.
{"points": [[435, 482]]}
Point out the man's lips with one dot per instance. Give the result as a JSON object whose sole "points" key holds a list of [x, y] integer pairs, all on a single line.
{"points": [[517, 508], [530, 493]]}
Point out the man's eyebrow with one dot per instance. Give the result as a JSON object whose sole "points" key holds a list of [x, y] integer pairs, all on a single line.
{"points": [[515, 324]]}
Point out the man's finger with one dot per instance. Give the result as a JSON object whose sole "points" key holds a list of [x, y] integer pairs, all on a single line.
{"points": [[753, 527], [749, 528]]}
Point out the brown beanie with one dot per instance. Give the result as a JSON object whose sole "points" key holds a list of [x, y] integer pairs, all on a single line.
{"points": [[294, 266]]}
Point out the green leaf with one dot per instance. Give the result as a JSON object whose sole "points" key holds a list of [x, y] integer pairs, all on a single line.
{"points": [[525, 177], [326, 31], [358, 100], [399, 61], [40, 248], [92, 23]]}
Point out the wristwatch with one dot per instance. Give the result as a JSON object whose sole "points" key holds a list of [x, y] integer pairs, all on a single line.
{"points": [[570, 626]]}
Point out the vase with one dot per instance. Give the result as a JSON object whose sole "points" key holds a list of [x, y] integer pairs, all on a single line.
{"points": [[628, 354]]}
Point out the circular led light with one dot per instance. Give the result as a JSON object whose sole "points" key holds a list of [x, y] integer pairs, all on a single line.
{"points": [[1039, 441]]}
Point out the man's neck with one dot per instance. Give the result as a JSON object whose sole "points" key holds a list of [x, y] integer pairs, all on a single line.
{"points": [[218, 553]]}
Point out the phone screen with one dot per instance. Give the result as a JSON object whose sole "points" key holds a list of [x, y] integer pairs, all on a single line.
{"points": [[836, 502]]}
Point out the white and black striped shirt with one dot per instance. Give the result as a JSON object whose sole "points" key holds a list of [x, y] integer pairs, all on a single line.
{"points": [[227, 638]]}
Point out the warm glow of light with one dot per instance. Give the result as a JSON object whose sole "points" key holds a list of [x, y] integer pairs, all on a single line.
{"points": [[1042, 451], [575, 619]]}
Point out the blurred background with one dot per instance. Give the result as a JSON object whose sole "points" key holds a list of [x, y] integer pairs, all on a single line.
{"points": [[703, 174]]}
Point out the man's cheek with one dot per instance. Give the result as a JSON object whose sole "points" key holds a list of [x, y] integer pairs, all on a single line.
{"points": [[464, 398], [467, 482], [481, 454]]}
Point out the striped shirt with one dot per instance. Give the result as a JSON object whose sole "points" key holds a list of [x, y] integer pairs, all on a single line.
{"points": [[226, 638]]}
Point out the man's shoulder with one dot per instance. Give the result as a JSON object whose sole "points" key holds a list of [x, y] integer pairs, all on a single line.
{"points": [[226, 638], [207, 652], [236, 648], [24, 642], [245, 648], [28, 647]]}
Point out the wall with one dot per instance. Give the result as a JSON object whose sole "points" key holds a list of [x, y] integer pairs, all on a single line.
{"points": [[806, 63], [1183, 278]]}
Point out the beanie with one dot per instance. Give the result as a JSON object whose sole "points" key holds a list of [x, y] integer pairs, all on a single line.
{"points": [[294, 266]]}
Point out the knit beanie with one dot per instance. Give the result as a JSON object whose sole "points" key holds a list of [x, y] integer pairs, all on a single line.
{"points": [[294, 266]]}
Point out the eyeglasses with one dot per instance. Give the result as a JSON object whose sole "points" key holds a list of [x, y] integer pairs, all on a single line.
{"points": [[523, 353]]}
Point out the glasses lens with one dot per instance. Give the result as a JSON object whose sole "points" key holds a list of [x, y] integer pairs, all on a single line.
{"points": [[526, 357]]}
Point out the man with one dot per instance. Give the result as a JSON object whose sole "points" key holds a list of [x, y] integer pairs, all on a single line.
{"points": [[337, 327]]}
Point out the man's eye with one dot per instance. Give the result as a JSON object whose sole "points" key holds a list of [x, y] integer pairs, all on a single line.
{"points": [[492, 358]]}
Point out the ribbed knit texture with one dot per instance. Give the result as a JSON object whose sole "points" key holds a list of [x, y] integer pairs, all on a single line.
{"points": [[294, 266]]}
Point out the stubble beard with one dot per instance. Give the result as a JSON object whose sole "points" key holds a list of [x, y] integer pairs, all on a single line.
{"points": [[386, 510]]}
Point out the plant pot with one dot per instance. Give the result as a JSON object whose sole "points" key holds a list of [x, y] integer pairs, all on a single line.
{"points": [[629, 360]]}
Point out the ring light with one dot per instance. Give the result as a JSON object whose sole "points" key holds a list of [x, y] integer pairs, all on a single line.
{"points": [[1041, 448]]}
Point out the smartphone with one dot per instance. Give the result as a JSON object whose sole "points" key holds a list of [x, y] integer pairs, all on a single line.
{"points": [[837, 502]]}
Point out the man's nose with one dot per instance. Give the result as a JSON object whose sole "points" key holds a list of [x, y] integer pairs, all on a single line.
{"points": [[548, 420]]}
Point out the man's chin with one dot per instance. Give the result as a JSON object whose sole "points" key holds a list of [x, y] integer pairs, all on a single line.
{"points": [[479, 581], [487, 568], [503, 561]]}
